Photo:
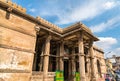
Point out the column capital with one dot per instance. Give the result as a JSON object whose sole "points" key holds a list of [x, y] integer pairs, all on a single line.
{"points": [[80, 34], [37, 28], [49, 37], [62, 41], [9, 9], [91, 42]]}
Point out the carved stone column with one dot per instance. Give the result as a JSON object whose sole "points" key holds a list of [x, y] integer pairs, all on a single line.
{"points": [[73, 64], [37, 29], [41, 58], [46, 58], [93, 71], [61, 55], [81, 57], [57, 59]]}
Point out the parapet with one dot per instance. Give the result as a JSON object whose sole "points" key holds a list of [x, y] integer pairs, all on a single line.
{"points": [[49, 25], [14, 5]]}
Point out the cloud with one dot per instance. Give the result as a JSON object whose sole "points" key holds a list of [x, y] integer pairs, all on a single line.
{"points": [[32, 10], [109, 4], [106, 43], [86, 11], [106, 25], [72, 11], [115, 51]]}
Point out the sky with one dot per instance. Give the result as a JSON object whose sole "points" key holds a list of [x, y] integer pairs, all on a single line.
{"points": [[101, 16]]}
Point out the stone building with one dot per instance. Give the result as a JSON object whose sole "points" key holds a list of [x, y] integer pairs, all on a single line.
{"points": [[115, 62], [117, 58], [32, 49]]}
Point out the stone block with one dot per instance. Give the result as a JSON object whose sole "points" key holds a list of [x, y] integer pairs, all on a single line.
{"points": [[17, 23], [24, 10], [19, 7], [14, 76], [14, 5], [15, 60], [3, 0], [17, 40], [10, 3]]}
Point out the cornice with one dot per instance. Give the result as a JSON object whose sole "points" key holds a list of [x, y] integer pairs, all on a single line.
{"points": [[98, 49], [18, 10]]}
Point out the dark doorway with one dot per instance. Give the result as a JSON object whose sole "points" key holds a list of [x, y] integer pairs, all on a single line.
{"points": [[99, 69], [38, 60], [66, 70]]}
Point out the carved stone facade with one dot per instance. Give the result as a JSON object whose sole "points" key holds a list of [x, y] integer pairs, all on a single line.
{"points": [[32, 49]]}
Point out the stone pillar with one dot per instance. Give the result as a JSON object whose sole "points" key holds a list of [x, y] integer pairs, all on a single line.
{"points": [[81, 57], [57, 59], [61, 55], [37, 29], [93, 71], [41, 58], [69, 70], [34, 62], [73, 64], [46, 58]]}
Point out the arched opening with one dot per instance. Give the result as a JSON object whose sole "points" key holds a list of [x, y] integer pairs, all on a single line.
{"points": [[99, 68]]}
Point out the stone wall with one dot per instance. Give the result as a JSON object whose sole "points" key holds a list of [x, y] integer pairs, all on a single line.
{"points": [[17, 44], [99, 56], [38, 76]]}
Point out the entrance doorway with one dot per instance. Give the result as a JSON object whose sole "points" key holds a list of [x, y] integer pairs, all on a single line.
{"points": [[66, 70]]}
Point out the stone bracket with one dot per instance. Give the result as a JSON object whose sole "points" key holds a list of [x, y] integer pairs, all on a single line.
{"points": [[9, 10]]}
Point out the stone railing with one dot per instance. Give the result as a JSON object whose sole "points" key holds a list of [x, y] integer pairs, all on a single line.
{"points": [[51, 74], [38, 76]]}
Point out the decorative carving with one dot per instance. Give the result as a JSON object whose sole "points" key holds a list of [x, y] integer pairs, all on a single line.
{"points": [[37, 29], [9, 10]]}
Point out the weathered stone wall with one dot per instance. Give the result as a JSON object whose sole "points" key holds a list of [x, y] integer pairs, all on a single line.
{"points": [[38, 76], [100, 57], [17, 44]]}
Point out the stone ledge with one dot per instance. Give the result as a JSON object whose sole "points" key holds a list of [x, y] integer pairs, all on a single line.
{"points": [[13, 71], [15, 48]]}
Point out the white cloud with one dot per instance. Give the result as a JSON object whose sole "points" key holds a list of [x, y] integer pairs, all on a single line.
{"points": [[74, 12], [32, 9], [106, 25], [106, 43], [116, 51], [86, 11], [109, 4]]}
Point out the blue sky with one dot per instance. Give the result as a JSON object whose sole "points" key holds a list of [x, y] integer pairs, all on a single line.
{"points": [[101, 16]]}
